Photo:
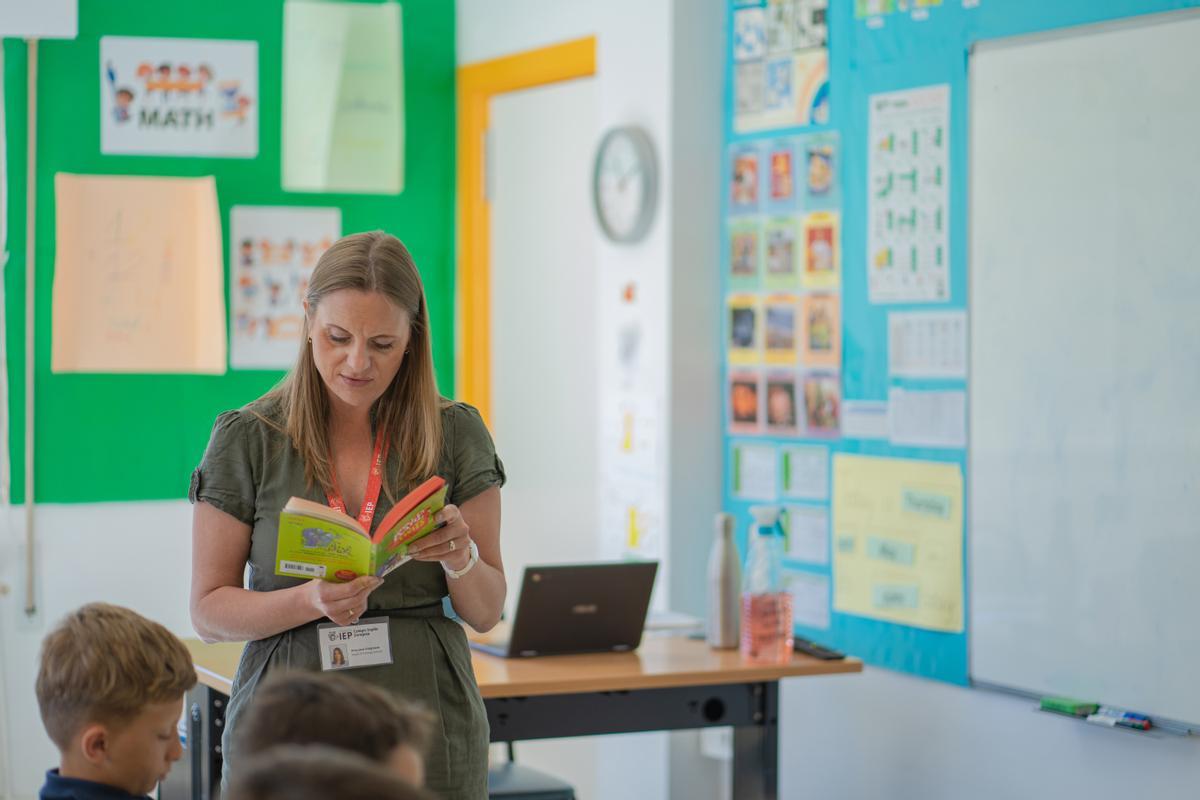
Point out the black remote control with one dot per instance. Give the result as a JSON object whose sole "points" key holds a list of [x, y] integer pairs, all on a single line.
{"points": [[817, 651]]}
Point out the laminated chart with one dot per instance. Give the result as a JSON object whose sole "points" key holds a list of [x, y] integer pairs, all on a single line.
{"points": [[898, 541], [908, 254]]}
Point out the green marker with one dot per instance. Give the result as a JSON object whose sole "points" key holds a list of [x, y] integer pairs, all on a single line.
{"points": [[1065, 705]]}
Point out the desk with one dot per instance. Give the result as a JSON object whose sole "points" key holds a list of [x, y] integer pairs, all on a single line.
{"points": [[668, 684]]}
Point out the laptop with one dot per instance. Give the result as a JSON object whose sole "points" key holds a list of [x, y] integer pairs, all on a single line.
{"points": [[575, 608]]}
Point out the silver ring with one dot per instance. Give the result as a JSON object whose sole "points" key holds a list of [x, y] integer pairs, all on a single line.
{"points": [[452, 545]]}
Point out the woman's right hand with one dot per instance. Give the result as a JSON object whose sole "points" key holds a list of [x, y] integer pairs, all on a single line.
{"points": [[342, 603]]}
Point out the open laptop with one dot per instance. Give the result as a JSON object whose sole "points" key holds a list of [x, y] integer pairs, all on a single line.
{"points": [[575, 608]]}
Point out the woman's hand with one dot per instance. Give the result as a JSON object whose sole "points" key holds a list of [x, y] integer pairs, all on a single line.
{"points": [[450, 544], [342, 603]]}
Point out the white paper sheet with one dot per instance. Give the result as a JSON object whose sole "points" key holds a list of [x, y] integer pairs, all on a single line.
{"points": [[808, 533], [343, 97], [928, 418], [908, 179], [810, 599], [755, 472], [865, 419], [806, 472], [927, 344]]}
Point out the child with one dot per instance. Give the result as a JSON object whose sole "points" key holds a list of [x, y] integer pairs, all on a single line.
{"points": [[304, 708], [110, 689], [292, 772]]}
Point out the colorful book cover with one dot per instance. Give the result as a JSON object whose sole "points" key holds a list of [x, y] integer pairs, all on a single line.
{"points": [[779, 312], [744, 254], [745, 329], [821, 331], [822, 256], [315, 541], [781, 272]]}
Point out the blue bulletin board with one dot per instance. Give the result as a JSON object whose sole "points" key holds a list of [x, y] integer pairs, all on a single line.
{"points": [[809, 87]]}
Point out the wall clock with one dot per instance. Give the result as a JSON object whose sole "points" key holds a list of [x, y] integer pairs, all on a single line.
{"points": [[625, 184]]}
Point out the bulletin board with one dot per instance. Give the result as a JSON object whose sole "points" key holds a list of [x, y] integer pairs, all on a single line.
{"points": [[862, 440], [110, 437]]}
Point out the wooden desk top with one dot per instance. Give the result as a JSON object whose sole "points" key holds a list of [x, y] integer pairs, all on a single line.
{"points": [[661, 662]]}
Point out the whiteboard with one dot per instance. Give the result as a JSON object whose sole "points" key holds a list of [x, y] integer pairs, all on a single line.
{"points": [[1084, 461]]}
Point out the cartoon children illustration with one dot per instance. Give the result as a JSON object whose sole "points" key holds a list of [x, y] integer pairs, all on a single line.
{"points": [[247, 253], [204, 77], [123, 99], [820, 169], [235, 104], [122, 96], [163, 83]]}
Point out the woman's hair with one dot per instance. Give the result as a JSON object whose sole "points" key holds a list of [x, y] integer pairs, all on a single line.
{"points": [[409, 410]]}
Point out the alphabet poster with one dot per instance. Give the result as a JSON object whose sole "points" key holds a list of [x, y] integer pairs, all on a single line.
{"points": [[178, 97]]}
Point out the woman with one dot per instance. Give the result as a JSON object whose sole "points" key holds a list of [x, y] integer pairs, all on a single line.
{"points": [[357, 423]]}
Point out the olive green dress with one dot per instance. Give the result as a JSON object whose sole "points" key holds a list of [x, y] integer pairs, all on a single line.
{"points": [[249, 471]]}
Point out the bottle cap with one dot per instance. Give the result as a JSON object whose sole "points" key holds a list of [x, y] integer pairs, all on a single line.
{"points": [[765, 516]]}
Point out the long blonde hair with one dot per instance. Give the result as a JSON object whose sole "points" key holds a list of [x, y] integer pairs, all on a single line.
{"points": [[409, 410]]}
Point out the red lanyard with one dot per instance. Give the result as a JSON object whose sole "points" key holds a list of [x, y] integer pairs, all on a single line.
{"points": [[374, 481]]}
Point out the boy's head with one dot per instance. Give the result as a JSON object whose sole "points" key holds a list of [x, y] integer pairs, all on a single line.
{"points": [[316, 772], [110, 689], [305, 708]]}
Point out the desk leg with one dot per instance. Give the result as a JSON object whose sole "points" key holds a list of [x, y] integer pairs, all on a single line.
{"points": [[197, 775], [756, 748]]}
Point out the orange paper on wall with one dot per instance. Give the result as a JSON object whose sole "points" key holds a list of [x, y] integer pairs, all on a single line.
{"points": [[138, 276]]}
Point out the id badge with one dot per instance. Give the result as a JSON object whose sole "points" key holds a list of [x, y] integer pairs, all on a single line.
{"points": [[364, 644]]}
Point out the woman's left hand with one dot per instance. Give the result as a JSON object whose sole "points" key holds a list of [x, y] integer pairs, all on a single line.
{"points": [[449, 544]]}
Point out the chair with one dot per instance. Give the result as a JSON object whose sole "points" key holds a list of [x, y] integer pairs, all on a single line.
{"points": [[513, 781]]}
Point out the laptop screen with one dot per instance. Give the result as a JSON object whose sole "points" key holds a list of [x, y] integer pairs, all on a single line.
{"points": [[581, 608]]}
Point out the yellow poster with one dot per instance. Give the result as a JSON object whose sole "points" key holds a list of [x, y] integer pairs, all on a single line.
{"points": [[138, 275], [898, 541]]}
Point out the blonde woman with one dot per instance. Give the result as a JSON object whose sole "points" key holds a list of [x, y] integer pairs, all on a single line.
{"points": [[362, 393]]}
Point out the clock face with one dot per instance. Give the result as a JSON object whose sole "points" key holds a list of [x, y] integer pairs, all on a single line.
{"points": [[625, 184]]}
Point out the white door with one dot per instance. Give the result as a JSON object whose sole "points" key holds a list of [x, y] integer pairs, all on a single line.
{"points": [[543, 322], [543, 349]]}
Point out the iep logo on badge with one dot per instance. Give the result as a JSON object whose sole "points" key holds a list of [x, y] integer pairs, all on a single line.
{"points": [[365, 644]]}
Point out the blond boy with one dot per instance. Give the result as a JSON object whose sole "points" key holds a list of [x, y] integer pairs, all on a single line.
{"points": [[314, 708], [110, 687]]}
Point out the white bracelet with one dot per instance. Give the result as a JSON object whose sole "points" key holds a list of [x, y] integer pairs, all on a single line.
{"points": [[458, 573]]}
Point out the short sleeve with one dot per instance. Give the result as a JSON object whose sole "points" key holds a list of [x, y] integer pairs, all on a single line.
{"points": [[476, 465], [225, 477]]}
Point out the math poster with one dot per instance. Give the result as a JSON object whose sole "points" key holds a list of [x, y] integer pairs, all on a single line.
{"points": [[272, 253], [908, 196], [897, 541], [178, 97]]}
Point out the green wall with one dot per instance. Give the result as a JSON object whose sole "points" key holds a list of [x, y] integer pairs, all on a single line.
{"points": [[137, 437]]}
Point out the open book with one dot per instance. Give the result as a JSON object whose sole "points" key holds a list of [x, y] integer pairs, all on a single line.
{"points": [[316, 541]]}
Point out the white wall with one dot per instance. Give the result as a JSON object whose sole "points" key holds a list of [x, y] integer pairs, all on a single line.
{"points": [[654, 70], [133, 554]]}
